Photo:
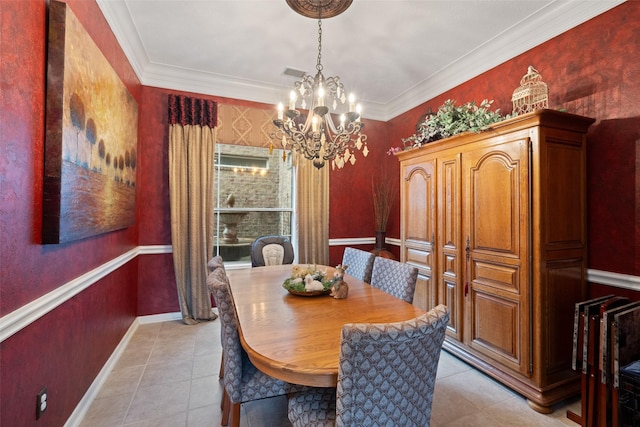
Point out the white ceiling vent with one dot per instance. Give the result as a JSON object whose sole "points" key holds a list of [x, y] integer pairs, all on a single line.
{"points": [[293, 72]]}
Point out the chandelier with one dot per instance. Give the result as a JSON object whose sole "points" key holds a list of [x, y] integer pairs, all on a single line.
{"points": [[316, 136]]}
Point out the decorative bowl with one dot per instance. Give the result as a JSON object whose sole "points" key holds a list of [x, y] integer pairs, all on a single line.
{"points": [[308, 293], [295, 284]]}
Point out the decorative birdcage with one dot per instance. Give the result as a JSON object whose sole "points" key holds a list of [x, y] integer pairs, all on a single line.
{"points": [[532, 94]]}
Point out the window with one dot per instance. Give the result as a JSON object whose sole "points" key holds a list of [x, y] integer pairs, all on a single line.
{"points": [[254, 197], [242, 163]]}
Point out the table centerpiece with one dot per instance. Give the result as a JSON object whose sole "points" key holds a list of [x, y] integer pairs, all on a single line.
{"points": [[308, 281]]}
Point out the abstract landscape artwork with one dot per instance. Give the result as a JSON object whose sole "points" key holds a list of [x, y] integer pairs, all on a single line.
{"points": [[90, 139]]}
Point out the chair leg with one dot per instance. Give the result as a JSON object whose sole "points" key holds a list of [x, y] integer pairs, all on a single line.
{"points": [[221, 374], [224, 396], [235, 415], [226, 407]]}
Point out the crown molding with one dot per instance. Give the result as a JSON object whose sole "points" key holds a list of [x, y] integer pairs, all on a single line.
{"points": [[119, 19], [549, 22]]}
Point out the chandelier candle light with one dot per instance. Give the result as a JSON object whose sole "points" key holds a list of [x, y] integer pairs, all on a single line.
{"points": [[316, 136]]}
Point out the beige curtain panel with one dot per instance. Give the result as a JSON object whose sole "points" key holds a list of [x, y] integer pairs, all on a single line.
{"points": [[192, 139], [312, 213]]}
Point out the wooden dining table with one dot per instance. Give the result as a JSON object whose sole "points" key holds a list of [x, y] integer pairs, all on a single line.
{"points": [[297, 338]]}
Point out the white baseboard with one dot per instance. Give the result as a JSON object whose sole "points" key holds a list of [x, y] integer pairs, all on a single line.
{"points": [[83, 406], [156, 318], [85, 403]]}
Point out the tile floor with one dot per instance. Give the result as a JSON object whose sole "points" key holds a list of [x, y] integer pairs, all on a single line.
{"points": [[168, 376]]}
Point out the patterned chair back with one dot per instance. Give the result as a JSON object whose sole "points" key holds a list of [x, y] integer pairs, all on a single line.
{"points": [[216, 262], [271, 250], [360, 263], [242, 380], [395, 278], [387, 371], [217, 282]]}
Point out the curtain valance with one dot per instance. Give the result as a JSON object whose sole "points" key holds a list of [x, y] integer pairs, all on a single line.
{"points": [[184, 111], [246, 125]]}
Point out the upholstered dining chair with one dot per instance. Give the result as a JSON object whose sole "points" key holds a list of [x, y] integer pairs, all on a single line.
{"points": [[395, 278], [243, 382], [386, 376], [214, 263], [360, 263], [271, 250]]}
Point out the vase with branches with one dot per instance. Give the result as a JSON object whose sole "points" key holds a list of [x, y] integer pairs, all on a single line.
{"points": [[384, 192]]}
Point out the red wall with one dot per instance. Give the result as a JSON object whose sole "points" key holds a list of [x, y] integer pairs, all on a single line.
{"points": [[65, 349], [156, 278], [591, 70], [351, 205]]}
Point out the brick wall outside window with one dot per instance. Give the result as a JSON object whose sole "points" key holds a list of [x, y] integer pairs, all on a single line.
{"points": [[254, 190]]}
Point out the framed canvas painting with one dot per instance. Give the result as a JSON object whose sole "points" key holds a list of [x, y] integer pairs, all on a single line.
{"points": [[90, 138]]}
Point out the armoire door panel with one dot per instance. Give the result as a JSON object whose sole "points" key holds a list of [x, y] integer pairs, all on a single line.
{"points": [[565, 163], [448, 258], [449, 201], [495, 219], [417, 226], [450, 299], [421, 257], [419, 218], [561, 285], [423, 296], [499, 276], [450, 264], [496, 329], [494, 192]]}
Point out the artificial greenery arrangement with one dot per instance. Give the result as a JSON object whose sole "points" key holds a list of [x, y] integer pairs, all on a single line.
{"points": [[307, 279], [451, 120]]}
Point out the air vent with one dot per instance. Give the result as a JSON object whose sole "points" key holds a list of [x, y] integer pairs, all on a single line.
{"points": [[293, 72]]}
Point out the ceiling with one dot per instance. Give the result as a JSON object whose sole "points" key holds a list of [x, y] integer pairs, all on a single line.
{"points": [[393, 54]]}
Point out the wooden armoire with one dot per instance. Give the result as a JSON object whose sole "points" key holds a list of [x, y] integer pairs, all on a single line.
{"points": [[496, 224]]}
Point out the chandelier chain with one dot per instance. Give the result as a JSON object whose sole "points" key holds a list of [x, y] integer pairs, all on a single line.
{"points": [[319, 64], [314, 135]]}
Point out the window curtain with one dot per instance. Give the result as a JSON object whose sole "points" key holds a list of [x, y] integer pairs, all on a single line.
{"points": [[192, 136], [312, 213]]}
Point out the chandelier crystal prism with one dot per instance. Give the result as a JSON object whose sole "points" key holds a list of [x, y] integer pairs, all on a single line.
{"points": [[315, 135]]}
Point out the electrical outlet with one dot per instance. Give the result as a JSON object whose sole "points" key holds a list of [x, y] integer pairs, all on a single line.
{"points": [[41, 402]]}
